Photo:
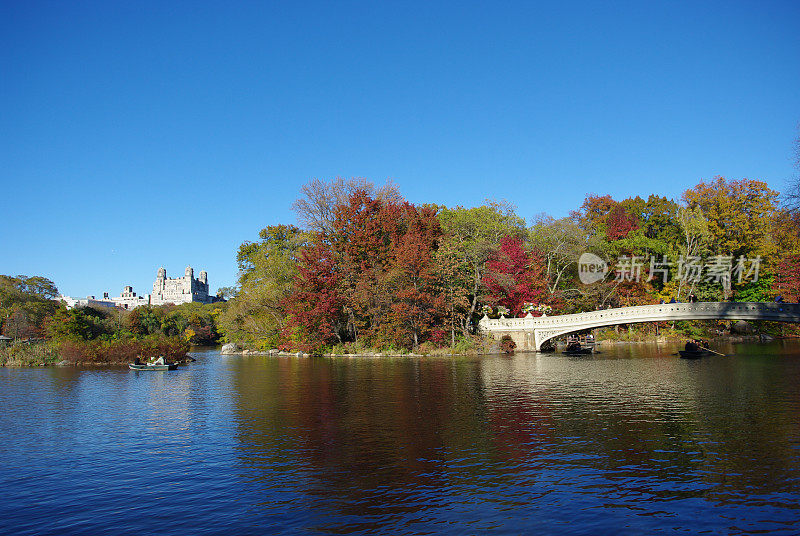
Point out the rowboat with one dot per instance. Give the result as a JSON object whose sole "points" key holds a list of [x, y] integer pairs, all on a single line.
{"points": [[693, 354], [578, 351], [166, 366]]}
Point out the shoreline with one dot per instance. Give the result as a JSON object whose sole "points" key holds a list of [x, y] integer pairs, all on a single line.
{"points": [[735, 339], [492, 351]]}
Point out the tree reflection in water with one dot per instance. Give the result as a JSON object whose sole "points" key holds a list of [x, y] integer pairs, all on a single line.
{"points": [[361, 442]]}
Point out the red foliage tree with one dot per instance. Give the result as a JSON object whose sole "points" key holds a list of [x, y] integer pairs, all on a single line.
{"points": [[619, 223], [364, 234], [515, 276], [418, 302], [787, 283], [370, 277], [314, 306]]}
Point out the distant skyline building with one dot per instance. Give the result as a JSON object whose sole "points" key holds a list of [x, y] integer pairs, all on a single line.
{"points": [[166, 290], [129, 299], [88, 301], [180, 290]]}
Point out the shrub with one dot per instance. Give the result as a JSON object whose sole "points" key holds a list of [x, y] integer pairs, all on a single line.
{"points": [[24, 354], [507, 345], [124, 351]]}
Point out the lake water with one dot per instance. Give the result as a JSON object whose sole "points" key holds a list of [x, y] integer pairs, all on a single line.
{"points": [[630, 441]]}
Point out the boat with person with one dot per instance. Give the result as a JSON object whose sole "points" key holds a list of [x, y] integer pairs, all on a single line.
{"points": [[695, 349], [574, 347], [144, 366], [158, 364]]}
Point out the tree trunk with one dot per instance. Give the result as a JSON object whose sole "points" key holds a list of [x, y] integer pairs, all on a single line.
{"points": [[474, 304]]}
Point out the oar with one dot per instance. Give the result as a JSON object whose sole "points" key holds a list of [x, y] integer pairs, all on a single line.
{"points": [[710, 350]]}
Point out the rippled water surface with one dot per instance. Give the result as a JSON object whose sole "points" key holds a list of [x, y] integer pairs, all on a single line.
{"points": [[630, 441]]}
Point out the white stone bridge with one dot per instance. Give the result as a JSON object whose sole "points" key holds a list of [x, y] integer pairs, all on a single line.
{"points": [[530, 332]]}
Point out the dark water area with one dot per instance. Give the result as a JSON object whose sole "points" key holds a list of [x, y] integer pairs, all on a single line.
{"points": [[630, 441]]}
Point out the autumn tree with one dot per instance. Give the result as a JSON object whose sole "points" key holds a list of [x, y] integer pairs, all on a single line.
{"points": [[419, 303], [316, 208], [740, 215], [787, 283], [619, 223], [515, 276], [471, 237], [370, 277], [314, 307], [365, 232], [592, 216]]}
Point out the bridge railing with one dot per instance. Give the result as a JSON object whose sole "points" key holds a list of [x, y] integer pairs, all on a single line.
{"points": [[722, 310]]}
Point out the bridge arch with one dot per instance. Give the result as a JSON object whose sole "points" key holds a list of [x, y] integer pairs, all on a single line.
{"points": [[531, 333]]}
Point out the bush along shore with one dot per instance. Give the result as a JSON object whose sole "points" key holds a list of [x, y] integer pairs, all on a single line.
{"points": [[94, 352], [470, 346]]}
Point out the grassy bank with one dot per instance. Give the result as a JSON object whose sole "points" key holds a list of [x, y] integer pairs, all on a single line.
{"points": [[97, 352], [472, 345], [34, 354]]}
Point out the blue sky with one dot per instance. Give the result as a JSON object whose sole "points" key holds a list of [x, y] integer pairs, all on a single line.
{"points": [[135, 135]]}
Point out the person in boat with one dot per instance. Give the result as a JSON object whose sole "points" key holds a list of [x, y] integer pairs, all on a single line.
{"points": [[159, 361], [137, 361], [692, 346], [574, 346]]}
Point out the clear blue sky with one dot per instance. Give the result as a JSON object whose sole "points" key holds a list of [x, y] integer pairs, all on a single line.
{"points": [[140, 134]]}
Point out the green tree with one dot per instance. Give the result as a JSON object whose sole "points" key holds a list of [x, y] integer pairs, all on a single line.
{"points": [[79, 324], [25, 303], [561, 242], [472, 236], [256, 316]]}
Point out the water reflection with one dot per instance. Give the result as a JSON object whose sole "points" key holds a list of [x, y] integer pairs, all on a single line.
{"points": [[632, 440], [376, 438]]}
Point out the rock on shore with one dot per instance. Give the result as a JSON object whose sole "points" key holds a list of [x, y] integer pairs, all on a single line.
{"points": [[230, 348]]}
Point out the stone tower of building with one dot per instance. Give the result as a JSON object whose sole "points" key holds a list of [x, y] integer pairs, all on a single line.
{"points": [[179, 290]]}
